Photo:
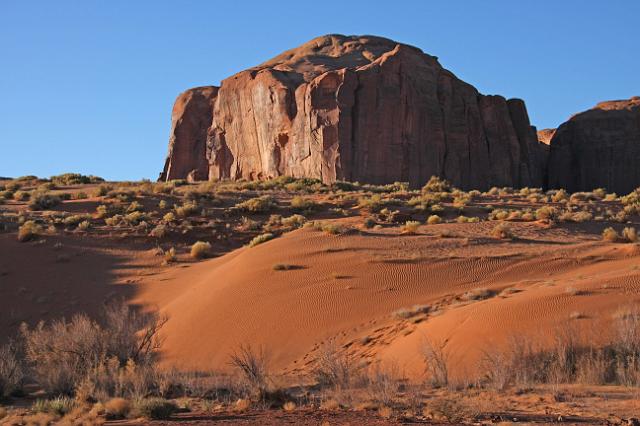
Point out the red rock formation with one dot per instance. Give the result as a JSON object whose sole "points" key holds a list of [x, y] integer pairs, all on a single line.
{"points": [[598, 148], [545, 135], [354, 108], [190, 119]]}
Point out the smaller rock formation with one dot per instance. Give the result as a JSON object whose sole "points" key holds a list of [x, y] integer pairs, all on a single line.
{"points": [[190, 119], [598, 148]]}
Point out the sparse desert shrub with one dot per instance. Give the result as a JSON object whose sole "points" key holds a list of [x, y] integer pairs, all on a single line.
{"points": [[261, 204], [259, 239], [289, 406], [498, 214], [162, 204], [294, 221], [42, 200], [159, 231], [28, 231], [410, 227], [436, 184], [58, 406], [200, 249], [437, 362], [630, 234], [434, 219], [12, 369], [84, 225], [169, 255], [329, 227], [303, 204], [75, 219], [169, 217], [254, 367], [187, 209], [283, 267], [75, 179], [64, 354], [610, 235], [502, 231], [559, 195], [21, 195], [135, 207], [406, 313], [369, 223], [154, 408], [478, 294], [335, 369], [546, 212], [116, 408]]}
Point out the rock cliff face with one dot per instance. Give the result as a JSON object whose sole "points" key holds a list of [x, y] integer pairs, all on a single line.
{"points": [[357, 108], [598, 148]]}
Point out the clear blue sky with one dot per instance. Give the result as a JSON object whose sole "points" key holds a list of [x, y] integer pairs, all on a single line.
{"points": [[88, 86]]}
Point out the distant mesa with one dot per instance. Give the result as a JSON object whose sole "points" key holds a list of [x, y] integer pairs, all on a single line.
{"points": [[356, 108]]}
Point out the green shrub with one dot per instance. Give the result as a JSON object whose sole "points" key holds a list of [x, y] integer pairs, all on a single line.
{"points": [[58, 406], [259, 239]]}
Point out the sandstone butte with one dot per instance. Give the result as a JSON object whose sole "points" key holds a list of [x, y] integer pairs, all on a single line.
{"points": [[367, 109]]}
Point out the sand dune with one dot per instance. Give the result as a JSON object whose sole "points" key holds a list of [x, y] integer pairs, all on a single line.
{"points": [[347, 287]]}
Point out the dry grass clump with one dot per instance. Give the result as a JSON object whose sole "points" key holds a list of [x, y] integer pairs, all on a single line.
{"points": [[188, 208], [75, 179], [410, 227], [294, 221], [406, 313], [630, 234], [303, 204], [200, 249], [478, 294], [117, 408], [502, 231], [329, 227], [546, 213], [29, 231], [262, 238], [154, 408], [42, 200], [559, 195], [610, 235], [436, 184], [169, 256], [58, 406], [434, 219], [283, 267], [261, 204], [466, 219], [289, 406]]}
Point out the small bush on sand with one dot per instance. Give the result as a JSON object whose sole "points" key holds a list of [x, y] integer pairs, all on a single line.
{"points": [[257, 205], [478, 294], [154, 408], [610, 234], [435, 184], [29, 231], [406, 313], [410, 227], [116, 408], [434, 219], [253, 365], [200, 249], [546, 212], [170, 255], [303, 204], [43, 201], [75, 179], [502, 231], [187, 209], [12, 369], [289, 406], [58, 406], [329, 227], [559, 195], [630, 234], [259, 239], [294, 221], [336, 369]]}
